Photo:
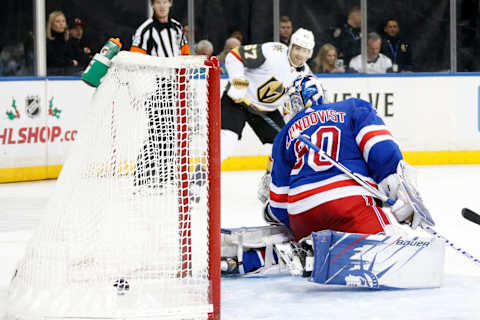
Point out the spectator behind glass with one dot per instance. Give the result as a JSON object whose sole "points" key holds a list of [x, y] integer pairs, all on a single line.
{"points": [[395, 48], [59, 53], [286, 29], [237, 34], [80, 49], [230, 44], [204, 47], [186, 31], [12, 59], [347, 39], [376, 62], [326, 60]]}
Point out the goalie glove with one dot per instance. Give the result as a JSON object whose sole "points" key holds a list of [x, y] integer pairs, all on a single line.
{"points": [[237, 90], [401, 210], [263, 192]]}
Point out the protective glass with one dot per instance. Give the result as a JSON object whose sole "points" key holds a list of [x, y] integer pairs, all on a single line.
{"points": [[98, 26], [16, 40]]}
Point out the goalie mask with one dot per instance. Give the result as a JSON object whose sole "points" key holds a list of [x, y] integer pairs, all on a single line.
{"points": [[305, 92], [301, 47]]}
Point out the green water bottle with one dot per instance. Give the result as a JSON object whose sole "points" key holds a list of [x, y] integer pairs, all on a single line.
{"points": [[100, 63]]}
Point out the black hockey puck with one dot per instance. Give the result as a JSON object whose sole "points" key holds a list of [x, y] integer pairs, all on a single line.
{"points": [[122, 286]]}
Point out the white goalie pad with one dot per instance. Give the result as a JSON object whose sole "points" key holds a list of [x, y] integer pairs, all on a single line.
{"points": [[236, 241], [252, 238], [377, 261]]}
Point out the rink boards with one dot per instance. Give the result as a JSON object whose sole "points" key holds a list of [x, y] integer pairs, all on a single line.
{"points": [[434, 118]]}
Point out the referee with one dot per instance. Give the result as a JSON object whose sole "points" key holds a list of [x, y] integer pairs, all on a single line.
{"points": [[159, 36]]}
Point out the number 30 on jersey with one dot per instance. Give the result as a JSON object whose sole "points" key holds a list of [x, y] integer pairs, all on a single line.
{"points": [[326, 138]]}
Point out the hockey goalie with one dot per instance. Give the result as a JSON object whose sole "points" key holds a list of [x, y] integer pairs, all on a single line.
{"points": [[326, 226]]}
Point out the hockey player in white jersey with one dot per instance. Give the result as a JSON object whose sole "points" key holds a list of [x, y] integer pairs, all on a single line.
{"points": [[259, 74]]}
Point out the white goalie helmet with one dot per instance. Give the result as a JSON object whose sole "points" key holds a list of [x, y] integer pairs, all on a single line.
{"points": [[303, 38]]}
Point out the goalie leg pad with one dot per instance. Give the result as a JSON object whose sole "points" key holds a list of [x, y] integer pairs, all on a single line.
{"points": [[377, 261]]}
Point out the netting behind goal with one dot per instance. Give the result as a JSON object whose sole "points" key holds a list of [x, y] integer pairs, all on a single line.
{"points": [[132, 228]]}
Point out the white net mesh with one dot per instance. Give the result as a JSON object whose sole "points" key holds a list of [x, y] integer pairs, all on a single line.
{"points": [[126, 232]]}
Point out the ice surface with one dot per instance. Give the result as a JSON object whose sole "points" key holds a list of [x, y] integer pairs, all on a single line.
{"points": [[445, 189]]}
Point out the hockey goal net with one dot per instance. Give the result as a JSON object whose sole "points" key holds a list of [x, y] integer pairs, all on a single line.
{"points": [[132, 229]]}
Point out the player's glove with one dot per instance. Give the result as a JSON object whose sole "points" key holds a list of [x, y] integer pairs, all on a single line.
{"points": [[238, 90], [401, 210]]}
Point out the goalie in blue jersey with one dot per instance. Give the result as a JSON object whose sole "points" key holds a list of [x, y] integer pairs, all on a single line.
{"points": [[307, 192], [325, 209]]}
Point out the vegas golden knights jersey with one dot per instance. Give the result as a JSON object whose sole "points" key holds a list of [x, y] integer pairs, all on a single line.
{"points": [[268, 71]]}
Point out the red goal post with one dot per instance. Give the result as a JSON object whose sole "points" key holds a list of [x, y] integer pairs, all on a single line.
{"points": [[215, 195]]}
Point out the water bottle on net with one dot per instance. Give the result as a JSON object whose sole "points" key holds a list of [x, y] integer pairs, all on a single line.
{"points": [[100, 63]]}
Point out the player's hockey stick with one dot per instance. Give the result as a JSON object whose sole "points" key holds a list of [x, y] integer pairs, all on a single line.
{"points": [[254, 110], [471, 215], [452, 245]]}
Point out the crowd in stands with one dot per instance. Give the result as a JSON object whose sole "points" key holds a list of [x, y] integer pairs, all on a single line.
{"points": [[388, 54], [68, 52]]}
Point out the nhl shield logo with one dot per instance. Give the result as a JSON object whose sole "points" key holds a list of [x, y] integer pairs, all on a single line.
{"points": [[32, 105]]}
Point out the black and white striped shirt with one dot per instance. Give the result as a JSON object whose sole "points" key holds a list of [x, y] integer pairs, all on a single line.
{"points": [[160, 39]]}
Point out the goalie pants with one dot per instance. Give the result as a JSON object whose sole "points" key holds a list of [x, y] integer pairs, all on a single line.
{"points": [[354, 214], [235, 115]]}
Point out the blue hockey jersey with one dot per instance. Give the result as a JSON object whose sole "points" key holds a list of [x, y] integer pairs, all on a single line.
{"points": [[350, 132]]}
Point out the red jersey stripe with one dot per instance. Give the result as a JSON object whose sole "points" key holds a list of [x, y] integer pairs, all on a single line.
{"points": [[278, 197], [370, 135], [236, 55], [330, 186]]}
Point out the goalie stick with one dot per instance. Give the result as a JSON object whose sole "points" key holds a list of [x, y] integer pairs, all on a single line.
{"points": [[471, 215], [416, 203]]}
